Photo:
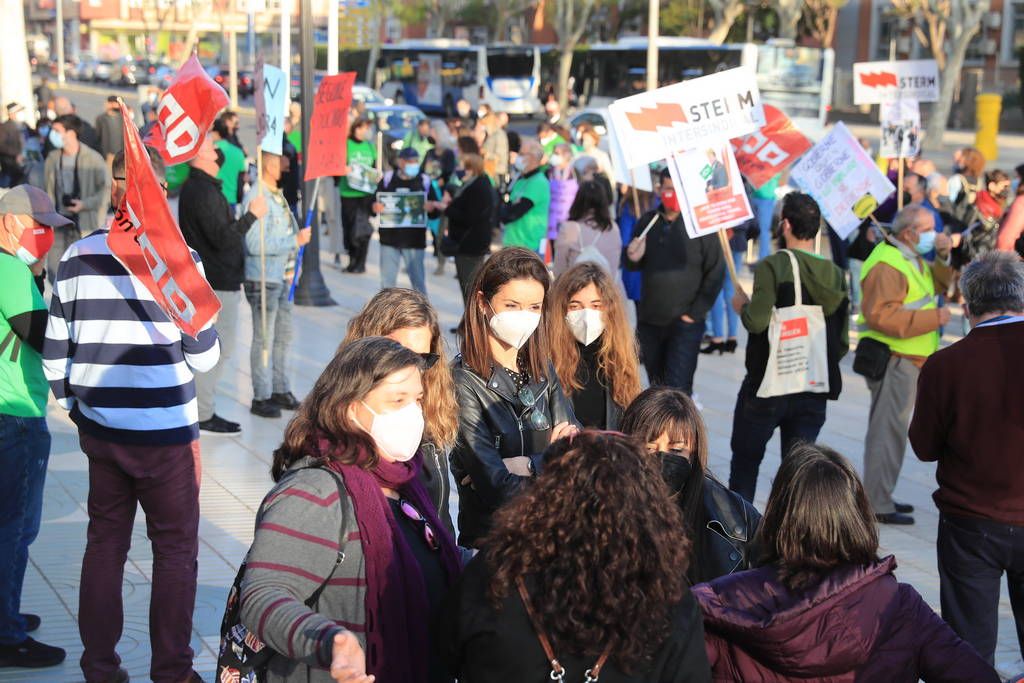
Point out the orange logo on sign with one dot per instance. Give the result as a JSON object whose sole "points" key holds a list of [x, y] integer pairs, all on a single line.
{"points": [[878, 79], [664, 114], [792, 329]]}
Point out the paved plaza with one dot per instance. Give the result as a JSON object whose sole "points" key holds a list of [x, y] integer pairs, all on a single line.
{"points": [[236, 476]]}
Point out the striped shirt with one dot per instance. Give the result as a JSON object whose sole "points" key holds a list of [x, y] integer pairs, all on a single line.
{"points": [[113, 357]]}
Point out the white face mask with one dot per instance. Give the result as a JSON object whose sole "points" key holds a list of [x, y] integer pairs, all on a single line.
{"points": [[514, 327], [587, 324], [398, 434]]}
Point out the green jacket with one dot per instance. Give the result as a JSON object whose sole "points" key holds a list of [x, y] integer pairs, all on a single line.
{"points": [[362, 153], [529, 229]]}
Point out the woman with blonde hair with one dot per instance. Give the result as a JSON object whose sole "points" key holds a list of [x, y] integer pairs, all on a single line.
{"points": [[593, 347], [407, 317]]}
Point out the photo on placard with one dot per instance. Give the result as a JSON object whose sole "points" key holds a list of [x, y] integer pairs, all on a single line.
{"points": [[403, 209], [901, 129], [711, 189], [363, 178]]}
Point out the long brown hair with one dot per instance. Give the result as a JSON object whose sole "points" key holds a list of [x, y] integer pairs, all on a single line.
{"points": [[666, 410], [394, 309], [617, 358], [353, 373], [511, 263], [817, 518], [601, 547]]}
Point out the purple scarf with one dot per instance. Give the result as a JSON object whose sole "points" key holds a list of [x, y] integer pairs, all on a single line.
{"points": [[397, 611]]}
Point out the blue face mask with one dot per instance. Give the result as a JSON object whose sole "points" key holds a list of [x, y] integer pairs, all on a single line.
{"points": [[55, 139], [925, 243], [412, 170]]}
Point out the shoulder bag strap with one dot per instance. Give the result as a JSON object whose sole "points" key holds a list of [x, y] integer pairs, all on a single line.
{"points": [[342, 494], [557, 670], [798, 295]]}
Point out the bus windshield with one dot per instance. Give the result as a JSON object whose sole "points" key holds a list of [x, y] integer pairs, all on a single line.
{"points": [[510, 62], [795, 79]]}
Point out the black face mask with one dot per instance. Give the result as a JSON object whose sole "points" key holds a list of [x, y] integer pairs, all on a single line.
{"points": [[675, 469], [220, 157]]}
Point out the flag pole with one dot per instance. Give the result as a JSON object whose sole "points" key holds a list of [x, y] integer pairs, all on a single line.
{"points": [[636, 196], [302, 249], [727, 254], [263, 260]]}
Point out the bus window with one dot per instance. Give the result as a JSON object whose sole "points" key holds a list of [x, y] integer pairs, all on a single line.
{"points": [[509, 63]]}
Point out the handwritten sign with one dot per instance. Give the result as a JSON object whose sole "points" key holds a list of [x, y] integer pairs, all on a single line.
{"points": [[843, 179], [271, 105], [767, 152], [328, 128]]}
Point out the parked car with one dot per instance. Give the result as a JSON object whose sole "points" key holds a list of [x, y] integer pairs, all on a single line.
{"points": [[126, 71], [364, 93], [395, 121], [163, 76], [102, 71], [246, 83], [85, 69], [596, 117]]}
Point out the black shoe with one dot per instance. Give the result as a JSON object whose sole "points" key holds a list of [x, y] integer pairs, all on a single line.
{"points": [[32, 622], [265, 408], [729, 346], [119, 676], [713, 347], [897, 518], [194, 678], [285, 400], [904, 508], [30, 654], [218, 425]]}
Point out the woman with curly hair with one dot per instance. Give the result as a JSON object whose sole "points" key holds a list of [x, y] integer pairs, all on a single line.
{"points": [[592, 344], [822, 606], [406, 316], [719, 522], [585, 564]]}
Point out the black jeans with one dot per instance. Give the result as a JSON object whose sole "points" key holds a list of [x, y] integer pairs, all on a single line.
{"points": [[973, 554], [465, 268], [798, 417], [355, 226], [671, 352]]}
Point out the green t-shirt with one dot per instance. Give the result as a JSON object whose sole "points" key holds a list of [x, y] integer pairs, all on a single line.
{"points": [[528, 230], [549, 146], [362, 153], [767, 191], [295, 137], [234, 165], [23, 387]]}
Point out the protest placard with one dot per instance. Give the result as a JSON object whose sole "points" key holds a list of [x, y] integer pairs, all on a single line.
{"points": [[708, 110], [639, 177], [901, 128], [767, 152], [363, 178], [148, 243], [326, 151], [843, 179], [403, 209], [710, 186], [185, 113], [911, 79], [271, 101]]}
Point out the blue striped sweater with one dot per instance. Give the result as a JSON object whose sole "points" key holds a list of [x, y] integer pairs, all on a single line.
{"points": [[113, 357]]}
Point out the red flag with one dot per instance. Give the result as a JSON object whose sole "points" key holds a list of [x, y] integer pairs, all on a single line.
{"points": [[148, 243], [766, 153], [185, 113], [328, 128]]}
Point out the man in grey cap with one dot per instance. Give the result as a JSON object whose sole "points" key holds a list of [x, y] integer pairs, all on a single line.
{"points": [[27, 219]]}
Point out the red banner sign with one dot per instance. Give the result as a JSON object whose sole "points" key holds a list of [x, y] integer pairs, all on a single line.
{"points": [[770, 150], [185, 113], [328, 129], [147, 241]]}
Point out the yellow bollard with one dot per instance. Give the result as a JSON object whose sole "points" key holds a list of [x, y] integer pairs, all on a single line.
{"points": [[987, 108]]}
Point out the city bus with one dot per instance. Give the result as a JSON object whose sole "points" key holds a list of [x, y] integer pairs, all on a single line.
{"points": [[435, 74], [797, 80]]}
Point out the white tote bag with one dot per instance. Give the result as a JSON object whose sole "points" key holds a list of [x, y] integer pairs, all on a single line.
{"points": [[798, 359]]}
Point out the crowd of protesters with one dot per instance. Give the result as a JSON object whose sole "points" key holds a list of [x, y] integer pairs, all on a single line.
{"points": [[591, 537]]}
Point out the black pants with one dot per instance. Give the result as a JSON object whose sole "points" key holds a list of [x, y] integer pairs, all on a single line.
{"points": [[356, 229], [465, 269], [798, 418], [671, 352], [12, 170], [973, 554]]}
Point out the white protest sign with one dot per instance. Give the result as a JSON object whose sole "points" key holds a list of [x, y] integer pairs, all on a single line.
{"points": [[914, 79], [901, 128], [275, 98], [640, 176], [652, 125], [843, 179], [710, 187]]}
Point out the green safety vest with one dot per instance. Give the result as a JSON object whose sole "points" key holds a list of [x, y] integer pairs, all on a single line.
{"points": [[920, 297]]}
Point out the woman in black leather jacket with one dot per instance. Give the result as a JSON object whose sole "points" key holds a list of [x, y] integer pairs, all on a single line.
{"points": [[407, 317], [511, 405], [720, 523]]}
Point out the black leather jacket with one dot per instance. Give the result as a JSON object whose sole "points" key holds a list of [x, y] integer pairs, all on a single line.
{"points": [[434, 475], [729, 528], [491, 428]]}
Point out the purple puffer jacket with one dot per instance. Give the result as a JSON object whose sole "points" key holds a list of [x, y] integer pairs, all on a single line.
{"points": [[857, 625]]}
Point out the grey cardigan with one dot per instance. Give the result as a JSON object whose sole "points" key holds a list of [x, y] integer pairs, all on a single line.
{"points": [[94, 182], [295, 549]]}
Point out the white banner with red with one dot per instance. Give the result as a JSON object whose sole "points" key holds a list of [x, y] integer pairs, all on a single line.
{"points": [[910, 79]]}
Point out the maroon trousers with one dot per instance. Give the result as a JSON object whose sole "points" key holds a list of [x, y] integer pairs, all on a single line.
{"points": [[165, 481]]}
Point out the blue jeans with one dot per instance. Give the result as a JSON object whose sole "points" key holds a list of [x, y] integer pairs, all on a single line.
{"points": [[24, 452], [799, 417], [763, 210], [390, 260], [722, 308], [272, 379], [671, 352]]}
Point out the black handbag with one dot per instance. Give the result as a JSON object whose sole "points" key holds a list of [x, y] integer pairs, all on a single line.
{"points": [[871, 358]]}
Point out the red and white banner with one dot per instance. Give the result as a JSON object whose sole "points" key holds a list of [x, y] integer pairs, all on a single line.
{"points": [[326, 152], [767, 152], [185, 113], [910, 79], [147, 242]]}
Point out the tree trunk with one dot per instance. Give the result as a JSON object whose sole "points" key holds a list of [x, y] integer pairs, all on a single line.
{"points": [[950, 77], [724, 19], [789, 16], [564, 69], [371, 62]]}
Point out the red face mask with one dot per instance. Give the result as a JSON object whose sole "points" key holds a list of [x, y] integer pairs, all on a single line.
{"points": [[34, 243], [670, 201]]}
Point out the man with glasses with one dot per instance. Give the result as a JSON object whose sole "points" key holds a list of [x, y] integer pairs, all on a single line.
{"points": [[125, 372]]}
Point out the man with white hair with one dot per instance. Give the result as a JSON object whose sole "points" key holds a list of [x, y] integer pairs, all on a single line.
{"points": [[525, 212], [969, 418], [900, 319]]}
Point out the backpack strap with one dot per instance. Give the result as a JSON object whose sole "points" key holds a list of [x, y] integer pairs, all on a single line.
{"points": [[342, 494]]}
